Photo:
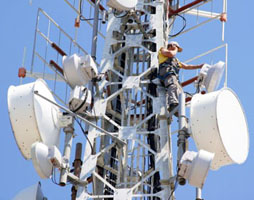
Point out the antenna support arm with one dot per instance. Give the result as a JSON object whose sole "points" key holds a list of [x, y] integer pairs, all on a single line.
{"points": [[185, 7], [69, 131], [182, 141]]}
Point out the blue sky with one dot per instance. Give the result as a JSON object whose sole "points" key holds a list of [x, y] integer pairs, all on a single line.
{"points": [[17, 22]]}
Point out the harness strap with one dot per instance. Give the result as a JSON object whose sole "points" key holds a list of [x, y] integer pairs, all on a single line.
{"points": [[162, 78]]}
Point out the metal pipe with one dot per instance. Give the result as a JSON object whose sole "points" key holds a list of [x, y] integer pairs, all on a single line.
{"points": [[226, 66], [198, 25], [119, 141], [35, 39], [181, 142], [206, 53], [223, 23], [69, 130], [181, 133], [95, 29], [77, 168], [100, 6], [56, 66], [198, 194], [189, 5], [58, 49], [94, 44], [183, 84]]}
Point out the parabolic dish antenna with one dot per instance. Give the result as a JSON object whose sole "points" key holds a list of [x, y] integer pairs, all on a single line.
{"points": [[219, 126], [42, 165], [212, 75], [194, 167], [79, 70], [33, 119], [122, 5]]}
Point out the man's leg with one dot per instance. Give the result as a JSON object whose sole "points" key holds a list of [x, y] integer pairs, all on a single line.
{"points": [[173, 91]]}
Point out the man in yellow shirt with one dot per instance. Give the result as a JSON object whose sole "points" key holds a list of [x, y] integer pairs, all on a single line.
{"points": [[169, 67]]}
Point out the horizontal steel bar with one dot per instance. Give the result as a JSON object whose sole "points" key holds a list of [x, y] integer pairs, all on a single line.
{"points": [[202, 13], [50, 77], [83, 119], [185, 7], [206, 53]]}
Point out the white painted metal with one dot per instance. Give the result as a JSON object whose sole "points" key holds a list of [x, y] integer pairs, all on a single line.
{"points": [[226, 66], [55, 156], [206, 53], [80, 99], [194, 167], [42, 165], [219, 126], [133, 175], [127, 165], [200, 167], [79, 70], [32, 118], [223, 23], [44, 76], [203, 13], [198, 194], [212, 75], [32, 193], [122, 4]]}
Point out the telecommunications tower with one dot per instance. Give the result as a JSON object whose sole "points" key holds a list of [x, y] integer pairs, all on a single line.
{"points": [[114, 96]]}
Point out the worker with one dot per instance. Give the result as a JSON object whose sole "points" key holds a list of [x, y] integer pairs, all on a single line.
{"points": [[169, 67]]}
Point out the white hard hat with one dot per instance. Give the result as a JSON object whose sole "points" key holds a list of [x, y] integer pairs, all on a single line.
{"points": [[180, 49]]}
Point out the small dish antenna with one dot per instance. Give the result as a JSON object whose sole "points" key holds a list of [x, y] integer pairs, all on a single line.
{"points": [[33, 119], [122, 5], [45, 158], [219, 125], [42, 165], [194, 167], [79, 70], [211, 75]]}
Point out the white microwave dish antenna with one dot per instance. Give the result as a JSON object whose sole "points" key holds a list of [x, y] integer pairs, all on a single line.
{"points": [[122, 5], [79, 70], [212, 75], [219, 125], [32, 118], [42, 165], [194, 167]]}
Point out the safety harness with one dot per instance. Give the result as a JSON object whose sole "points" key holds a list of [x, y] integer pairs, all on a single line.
{"points": [[170, 67]]}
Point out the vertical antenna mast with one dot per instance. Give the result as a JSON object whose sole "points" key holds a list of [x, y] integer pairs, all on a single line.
{"points": [[133, 108]]}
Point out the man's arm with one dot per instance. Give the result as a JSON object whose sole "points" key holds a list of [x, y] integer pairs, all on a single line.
{"points": [[169, 53], [185, 66]]}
